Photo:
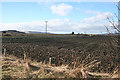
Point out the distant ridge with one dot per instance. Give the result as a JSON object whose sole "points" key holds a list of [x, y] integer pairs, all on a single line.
{"points": [[35, 32], [12, 31], [29, 32]]}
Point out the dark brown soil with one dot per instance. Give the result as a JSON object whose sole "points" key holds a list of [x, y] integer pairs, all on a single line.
{"points": [[65, 49]]}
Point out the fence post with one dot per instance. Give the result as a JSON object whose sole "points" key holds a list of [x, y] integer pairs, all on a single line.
{"points": [[24, 57], [50, 60], [4, 52]]}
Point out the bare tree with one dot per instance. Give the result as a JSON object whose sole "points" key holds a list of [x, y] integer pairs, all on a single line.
{"points": [[114, 38]]}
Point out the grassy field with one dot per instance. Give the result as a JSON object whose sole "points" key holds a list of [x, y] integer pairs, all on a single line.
{"points": [[70, 50]]}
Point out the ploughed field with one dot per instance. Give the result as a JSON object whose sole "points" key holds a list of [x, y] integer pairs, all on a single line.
{"points": [[65, 49]]}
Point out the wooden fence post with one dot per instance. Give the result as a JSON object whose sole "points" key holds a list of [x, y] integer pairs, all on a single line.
{"points": [[4, 52], [24, 56], [50, 60]]}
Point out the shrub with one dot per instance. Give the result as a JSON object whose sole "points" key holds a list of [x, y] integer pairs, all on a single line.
{"points": [[7, 35]]}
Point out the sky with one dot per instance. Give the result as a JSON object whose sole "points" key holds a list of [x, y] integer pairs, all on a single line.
{"points": [[62, 17]]}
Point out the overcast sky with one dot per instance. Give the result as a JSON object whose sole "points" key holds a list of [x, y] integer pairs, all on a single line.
{"points": [[62, 17]]}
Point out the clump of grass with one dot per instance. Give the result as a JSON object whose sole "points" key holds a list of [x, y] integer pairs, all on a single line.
{"points": [[115, 73], [81, 71]]}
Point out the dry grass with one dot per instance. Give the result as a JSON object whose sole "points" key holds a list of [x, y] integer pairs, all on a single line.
{"points": [[16, 68]]}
